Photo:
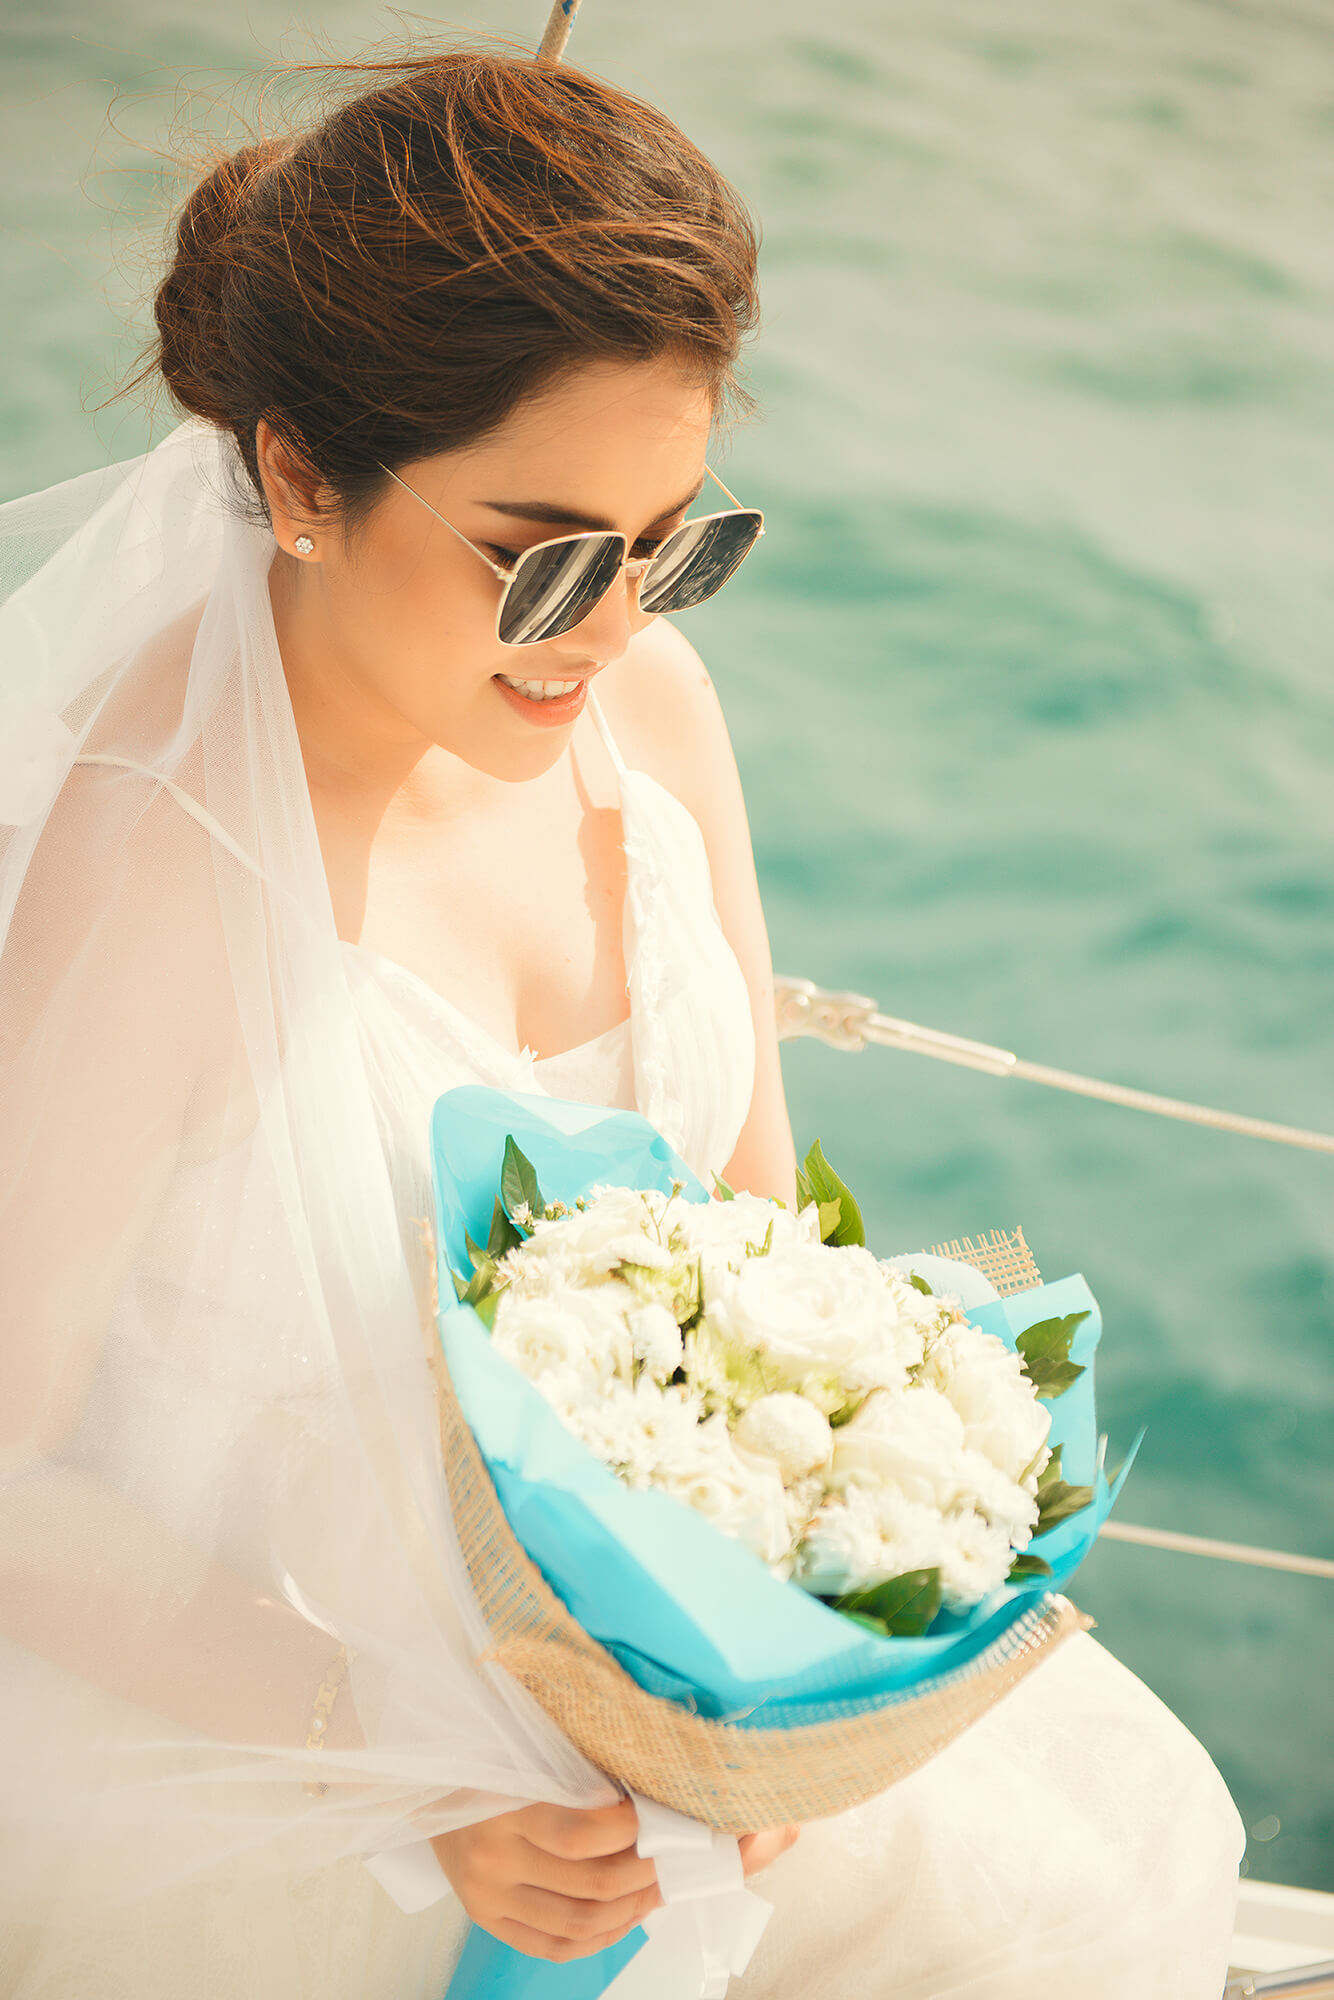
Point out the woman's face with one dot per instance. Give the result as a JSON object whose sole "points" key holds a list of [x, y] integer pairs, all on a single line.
{"points": [[391, 636]]}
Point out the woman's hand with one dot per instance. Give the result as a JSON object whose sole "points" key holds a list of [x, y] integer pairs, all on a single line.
{"points": [[558, 1884]]}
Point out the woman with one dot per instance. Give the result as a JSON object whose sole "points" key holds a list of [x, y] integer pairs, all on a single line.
{"points": [[323, 801]]}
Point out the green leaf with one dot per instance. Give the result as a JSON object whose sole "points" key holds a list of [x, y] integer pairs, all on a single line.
{"points": [[845, 1412], [762, 1249], [518, 1180], [805, 1193], [504, 1236], [920, 1285], [1056, 1500], [483, 1274], [1045, 1352], [1028, 1565], [825, 1186], [725, 1193], [905, 1604], [868, 1624], [830, 1211]]}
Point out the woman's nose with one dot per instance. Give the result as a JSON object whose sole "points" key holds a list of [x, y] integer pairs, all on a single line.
{"points": [[609, 626]]}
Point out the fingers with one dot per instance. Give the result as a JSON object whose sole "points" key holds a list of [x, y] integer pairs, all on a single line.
{"points": [[606, 1879], [579, 1921], [576, 1835], [537, 1944], [758, 1850]]}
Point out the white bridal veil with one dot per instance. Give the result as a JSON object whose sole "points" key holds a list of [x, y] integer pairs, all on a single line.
{"points": [[217, 1444]]}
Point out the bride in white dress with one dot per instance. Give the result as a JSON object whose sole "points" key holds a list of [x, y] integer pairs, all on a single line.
{"points": [[286, 856]]}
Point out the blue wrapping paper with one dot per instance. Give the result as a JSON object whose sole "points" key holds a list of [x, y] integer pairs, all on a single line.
{"points": [[690, 1614]]}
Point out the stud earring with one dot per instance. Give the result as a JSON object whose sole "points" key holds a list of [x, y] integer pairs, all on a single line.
{"points": [[304, 546]]}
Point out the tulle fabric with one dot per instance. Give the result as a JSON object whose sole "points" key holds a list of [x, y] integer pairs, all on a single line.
{"points": [[218, 1455], [216, 1252]]}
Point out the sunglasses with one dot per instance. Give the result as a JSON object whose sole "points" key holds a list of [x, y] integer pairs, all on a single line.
{"points": [[553, 586]]}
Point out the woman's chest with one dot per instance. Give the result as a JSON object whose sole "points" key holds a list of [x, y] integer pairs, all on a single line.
{"points": [[515, 918]]}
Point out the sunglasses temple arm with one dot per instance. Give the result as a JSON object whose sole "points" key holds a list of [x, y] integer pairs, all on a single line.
{"points": [[495, 569], [718, 482]]}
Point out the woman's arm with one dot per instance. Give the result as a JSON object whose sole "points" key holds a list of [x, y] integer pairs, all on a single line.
{"points": [[669, 722]]}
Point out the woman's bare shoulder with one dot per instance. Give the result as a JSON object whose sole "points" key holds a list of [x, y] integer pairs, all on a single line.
{"points": [[665, 716]]}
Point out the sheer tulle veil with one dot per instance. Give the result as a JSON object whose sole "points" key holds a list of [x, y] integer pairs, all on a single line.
{"points": [[218, 1442]]}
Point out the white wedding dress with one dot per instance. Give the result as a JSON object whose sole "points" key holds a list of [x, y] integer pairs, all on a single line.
{"points": [[1076, 1842]]}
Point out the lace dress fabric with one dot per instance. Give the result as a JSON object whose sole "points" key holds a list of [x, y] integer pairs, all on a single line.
{"points": [[1077, 1840]]}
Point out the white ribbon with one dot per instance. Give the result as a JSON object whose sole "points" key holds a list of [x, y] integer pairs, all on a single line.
{"points": [[411, 1874], [709, 1923]]}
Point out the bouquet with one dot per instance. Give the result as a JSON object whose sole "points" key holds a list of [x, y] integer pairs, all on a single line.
{"points": [[761, 1521]]}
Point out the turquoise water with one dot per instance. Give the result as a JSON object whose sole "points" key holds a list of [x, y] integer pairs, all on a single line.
{"points": [[1029, 682]]}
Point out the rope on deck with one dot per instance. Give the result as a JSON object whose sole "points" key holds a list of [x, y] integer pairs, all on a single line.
{"points": [[851, 1021], [1199, 1545]]}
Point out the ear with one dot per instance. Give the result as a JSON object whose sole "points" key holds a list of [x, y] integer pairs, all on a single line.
{"points": [[300, 502]]}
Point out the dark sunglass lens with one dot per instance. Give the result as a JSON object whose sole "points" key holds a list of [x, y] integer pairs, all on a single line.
{"points": [[554, 588], [698, 560]]}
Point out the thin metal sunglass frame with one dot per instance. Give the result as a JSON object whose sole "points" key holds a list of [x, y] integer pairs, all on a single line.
{"points": [[633, 567]]}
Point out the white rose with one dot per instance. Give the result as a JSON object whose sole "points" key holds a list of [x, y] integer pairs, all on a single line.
{"points": [[728, 1226], [787, 1429], [911, 1441], [544, 1336], [744, 1500], [810, 1309], [985, 1383]]}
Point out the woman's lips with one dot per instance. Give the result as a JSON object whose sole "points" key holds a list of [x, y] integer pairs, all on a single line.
{"points": [[549, 713]]}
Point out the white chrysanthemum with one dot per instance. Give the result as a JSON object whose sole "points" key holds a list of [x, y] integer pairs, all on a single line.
{"points": [[615, 1224], [787, 1429], [1002, 1502], [809, 1309], [973, 1558], [911, 1441], [985, 1382], [863, 1538]]}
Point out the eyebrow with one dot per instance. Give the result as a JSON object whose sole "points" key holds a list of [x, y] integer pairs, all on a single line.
{"points": [[570, 517]]}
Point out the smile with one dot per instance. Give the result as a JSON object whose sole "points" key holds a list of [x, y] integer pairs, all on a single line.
{"points": [[548, 703]]}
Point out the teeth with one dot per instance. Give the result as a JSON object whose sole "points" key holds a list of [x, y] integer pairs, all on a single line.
{"points": [[538, 690]]}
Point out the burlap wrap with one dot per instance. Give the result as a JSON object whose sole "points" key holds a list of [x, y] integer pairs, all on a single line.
{"points": [[738, 1779]]}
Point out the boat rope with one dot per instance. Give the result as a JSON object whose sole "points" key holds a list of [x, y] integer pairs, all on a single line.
{"points": [[1200, 1545], [557, 33], [851, 1021]]}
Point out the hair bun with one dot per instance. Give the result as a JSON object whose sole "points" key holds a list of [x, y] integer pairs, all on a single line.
{"points": [[190, 306]]}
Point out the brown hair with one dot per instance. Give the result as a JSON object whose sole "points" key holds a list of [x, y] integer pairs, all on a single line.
{"points": [[393, 282]]}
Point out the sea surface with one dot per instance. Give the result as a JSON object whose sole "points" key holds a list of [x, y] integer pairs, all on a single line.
{"points": [[1030, 681]]}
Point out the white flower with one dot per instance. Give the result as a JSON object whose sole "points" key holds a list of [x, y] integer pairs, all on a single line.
{"points": [[865, 1538], [985, 1383], [616, 1223], [744, 1499], [911, 1441], [544, 1336], [728, 1226], [656, 1340], [973, 1559], [809, 1309], [787, 1429]]}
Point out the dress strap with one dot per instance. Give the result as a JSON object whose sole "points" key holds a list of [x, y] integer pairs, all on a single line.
{"points": [[186, 803], [605, 733]]}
